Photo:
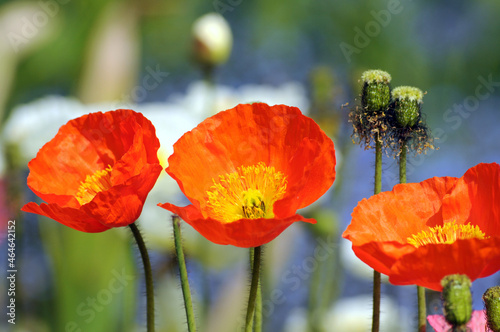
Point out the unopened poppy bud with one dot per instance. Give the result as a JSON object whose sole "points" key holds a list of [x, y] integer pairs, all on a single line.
{"points": [[376, 92], [407, 101], [491, 300], [212, 39], [457, 299]]}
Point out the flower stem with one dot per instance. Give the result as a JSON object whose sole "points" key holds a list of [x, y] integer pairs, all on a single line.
{"points": [[258, 300], [378, 165], [183, 274], [253, 289], [402, 164], [422, 323], [376, 275], [148, 275], [258, 309]]}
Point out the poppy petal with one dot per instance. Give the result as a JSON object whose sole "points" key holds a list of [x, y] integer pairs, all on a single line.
{"points": [[381, 256], [247, 135], [67, 216], [395, 215], [120, 204], [280, 138], [382, 224], [109, 157], [469, 257], [476, 199], [244, 233]]}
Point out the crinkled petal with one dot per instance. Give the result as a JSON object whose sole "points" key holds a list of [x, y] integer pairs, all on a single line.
{"points": [[122, 205], [427, 265], [476, 199], [279, 136], [71, 217], [243, 233], [90, 143], [381, 256], [395, 215], [382, 224], [122, 139]]}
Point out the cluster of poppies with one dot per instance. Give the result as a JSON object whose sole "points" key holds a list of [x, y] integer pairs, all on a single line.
{"points": [[246, 172]]}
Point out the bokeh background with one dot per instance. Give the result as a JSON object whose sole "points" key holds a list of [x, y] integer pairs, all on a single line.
{"points": [[64, 58]]}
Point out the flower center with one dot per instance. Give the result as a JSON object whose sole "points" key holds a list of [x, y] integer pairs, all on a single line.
{"points": [[446, 234], [248, 193], [93, 184]]}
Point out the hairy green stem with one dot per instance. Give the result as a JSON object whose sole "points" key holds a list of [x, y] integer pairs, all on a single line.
{"points": [[402, 164], [376, 301], [258, 309], [376, 275], [183, 274], [422, 322], [378, 165], [253, 289], [148, 275], [258, 301]]}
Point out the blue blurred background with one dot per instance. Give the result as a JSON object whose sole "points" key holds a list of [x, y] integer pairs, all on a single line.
{"points": [[64, 58]]}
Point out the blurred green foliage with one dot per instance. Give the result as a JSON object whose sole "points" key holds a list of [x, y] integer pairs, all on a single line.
{"points": [[425, 43]]}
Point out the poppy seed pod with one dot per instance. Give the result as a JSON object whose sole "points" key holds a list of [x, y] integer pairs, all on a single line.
{"points": [[457, 299], [376, 94], [370, 121], [406, 104], [491, 300]]}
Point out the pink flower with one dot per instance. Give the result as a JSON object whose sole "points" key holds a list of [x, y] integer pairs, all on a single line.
{"points": [[477, 322]]}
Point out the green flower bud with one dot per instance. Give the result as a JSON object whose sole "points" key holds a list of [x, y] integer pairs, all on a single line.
{"points": [[457, 299], [376, 93], [491, 300], [407, 101]]}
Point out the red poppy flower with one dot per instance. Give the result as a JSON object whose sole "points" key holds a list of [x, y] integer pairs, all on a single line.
{"points": [[248, 170], [419, 233], [97, 171]]}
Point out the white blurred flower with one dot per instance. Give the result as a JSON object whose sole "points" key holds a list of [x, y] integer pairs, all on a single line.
{"points": [[212, 39], [296, 321], [199, 96], [354, 314], [170, 123], [32, 125]]}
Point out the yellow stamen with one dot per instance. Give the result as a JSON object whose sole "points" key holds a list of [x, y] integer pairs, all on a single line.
{"points": [[93, 184], [446, 234], [250, 193]]}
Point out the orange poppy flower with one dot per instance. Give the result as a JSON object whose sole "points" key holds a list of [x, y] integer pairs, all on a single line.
{"points": [[97, 171], [247, 171], [419, 233]]}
